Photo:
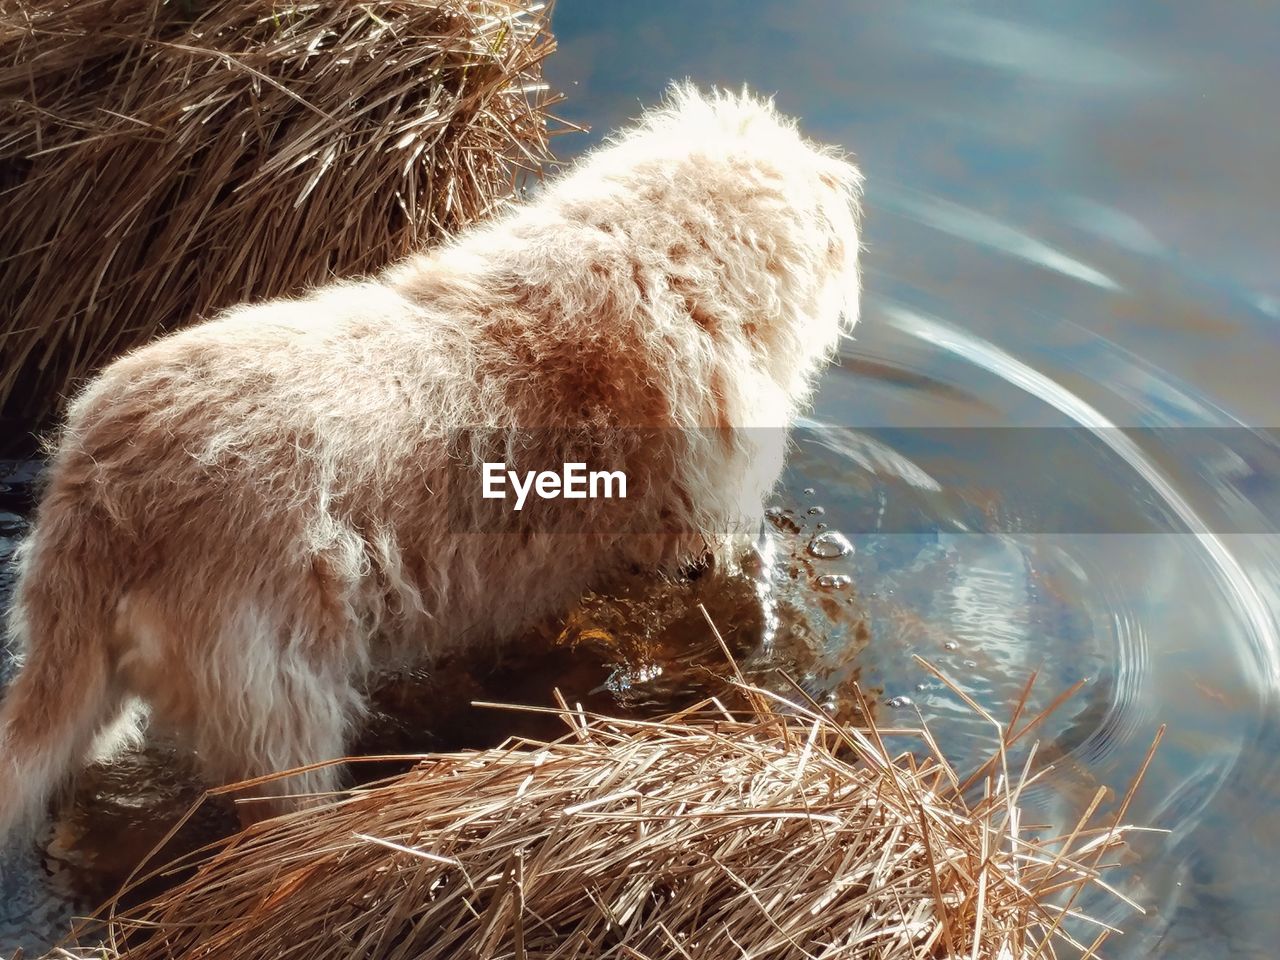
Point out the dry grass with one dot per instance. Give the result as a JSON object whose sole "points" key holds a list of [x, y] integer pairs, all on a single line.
{"points": [[162, 160], [768, 832]]}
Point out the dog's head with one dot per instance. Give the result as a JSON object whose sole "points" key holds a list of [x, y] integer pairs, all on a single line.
{"points": [[776, 217]]}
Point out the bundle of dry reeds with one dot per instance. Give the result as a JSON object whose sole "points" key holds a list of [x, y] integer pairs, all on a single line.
{"points": [[767, 833], [162, 159]]}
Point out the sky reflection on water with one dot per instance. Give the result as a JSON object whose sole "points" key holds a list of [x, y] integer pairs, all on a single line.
{"points": [[1071, 221]]}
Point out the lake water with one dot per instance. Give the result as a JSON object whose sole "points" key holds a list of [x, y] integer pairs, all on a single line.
{"points": [[1071, 229], [1050, 445]]}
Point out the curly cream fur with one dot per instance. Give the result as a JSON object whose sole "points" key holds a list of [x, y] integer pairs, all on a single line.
{"points": [[244, 519]]}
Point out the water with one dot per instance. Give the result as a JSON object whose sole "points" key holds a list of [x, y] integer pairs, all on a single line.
{"points": [[1070, 228], [829, 545], [1050, 447]]}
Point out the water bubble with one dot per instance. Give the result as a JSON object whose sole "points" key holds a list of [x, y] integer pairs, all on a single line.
{"points": [[951, 645], [971, 664], [820, 526], [815, 511], [922, 686], [833, 581], [897, 702], [809, 491], [829, 545]]}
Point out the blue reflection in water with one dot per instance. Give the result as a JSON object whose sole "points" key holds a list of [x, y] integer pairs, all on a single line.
{"points": [[1071, 216]]}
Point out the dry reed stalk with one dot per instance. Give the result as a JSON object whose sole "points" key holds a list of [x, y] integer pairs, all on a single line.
{"points": [[162, 160], [771, 832]]}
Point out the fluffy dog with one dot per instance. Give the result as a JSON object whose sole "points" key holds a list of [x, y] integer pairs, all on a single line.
{"points": [[244, 519]]}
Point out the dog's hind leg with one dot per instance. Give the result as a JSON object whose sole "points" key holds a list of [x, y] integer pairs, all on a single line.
{"points": [[274, 705]]}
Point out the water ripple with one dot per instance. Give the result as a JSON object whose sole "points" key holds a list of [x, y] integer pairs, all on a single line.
{"points": [[979, 228], [1265, 633]]}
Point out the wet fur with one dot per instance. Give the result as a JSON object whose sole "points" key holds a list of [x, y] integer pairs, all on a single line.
{"points": [[239, 526]]}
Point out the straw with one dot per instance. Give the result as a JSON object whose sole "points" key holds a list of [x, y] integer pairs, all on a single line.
{"points": [[768, 831], [160, 161]]}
